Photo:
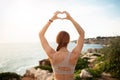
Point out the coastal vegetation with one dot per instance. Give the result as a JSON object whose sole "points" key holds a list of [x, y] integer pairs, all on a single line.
{"points": [[112, 58], [9, 76], [106, 61], [45, 67]]}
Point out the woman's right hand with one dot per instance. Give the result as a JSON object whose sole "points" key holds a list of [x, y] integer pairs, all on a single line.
{"points": [[68, 16]]}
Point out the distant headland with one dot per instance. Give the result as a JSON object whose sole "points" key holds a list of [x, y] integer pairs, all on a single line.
{"points": [[99, 40]]}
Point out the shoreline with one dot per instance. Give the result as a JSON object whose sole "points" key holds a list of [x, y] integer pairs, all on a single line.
{"points": [[89, 51], [22, 69], [40, 74]]}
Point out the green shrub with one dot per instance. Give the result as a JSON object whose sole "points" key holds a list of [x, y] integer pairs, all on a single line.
{"points": [[9, 76], [49, 68], [95, 73], [77, 75], [112, 56], [100, 59], [81, 64]]}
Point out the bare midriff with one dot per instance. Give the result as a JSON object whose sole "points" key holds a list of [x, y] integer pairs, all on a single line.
{"points": [[63, 76]]}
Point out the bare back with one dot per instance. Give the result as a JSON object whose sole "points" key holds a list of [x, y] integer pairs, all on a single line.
{"points": [[63, 65]]}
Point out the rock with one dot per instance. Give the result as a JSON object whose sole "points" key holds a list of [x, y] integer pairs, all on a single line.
{"points": [[91, 57], [106, 74], [44, 62], [92, 50], [38, 74], [85, 74]]}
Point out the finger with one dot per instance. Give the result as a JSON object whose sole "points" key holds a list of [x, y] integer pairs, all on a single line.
{"points": [[64, 11], [57, 12]]}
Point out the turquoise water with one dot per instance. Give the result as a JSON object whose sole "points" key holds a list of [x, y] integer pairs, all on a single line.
{"points": [[17, 57]]}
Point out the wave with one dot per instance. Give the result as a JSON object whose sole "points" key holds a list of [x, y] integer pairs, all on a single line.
{"points": [[22, 70]]}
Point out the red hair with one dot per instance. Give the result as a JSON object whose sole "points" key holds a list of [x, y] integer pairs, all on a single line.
{"points": [[63, 39]]}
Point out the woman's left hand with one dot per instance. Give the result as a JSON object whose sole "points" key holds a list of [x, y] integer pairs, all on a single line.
{"points": [[55, 15]]}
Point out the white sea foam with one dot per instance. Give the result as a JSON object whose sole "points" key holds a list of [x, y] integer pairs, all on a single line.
{"points": [[22, 70]]}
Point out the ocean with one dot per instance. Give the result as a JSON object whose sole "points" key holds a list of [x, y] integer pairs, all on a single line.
{"points": [[17, 57]]}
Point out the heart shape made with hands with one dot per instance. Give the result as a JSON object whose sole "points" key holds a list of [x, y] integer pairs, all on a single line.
{"points": [[61, 15]]}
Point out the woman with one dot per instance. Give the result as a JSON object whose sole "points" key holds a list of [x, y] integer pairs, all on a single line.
{"points": [[63, 61]]}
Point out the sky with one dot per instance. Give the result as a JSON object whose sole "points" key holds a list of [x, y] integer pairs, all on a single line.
{"points": [[21, 20]]}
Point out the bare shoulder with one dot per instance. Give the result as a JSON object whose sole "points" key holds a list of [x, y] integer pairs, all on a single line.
{"points": [[73, 58]]}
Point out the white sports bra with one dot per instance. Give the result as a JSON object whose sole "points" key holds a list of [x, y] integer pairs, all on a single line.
{"points": [[64, 67]]}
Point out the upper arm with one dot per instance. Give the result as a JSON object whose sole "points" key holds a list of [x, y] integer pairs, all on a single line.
{"points": [[77, 50], [48, 49]]}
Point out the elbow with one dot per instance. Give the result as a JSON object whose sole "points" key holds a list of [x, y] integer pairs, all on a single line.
{"points": [[83, 31], [83, 34], [40, 34]]}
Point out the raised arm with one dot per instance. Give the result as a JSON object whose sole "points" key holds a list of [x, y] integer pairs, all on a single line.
{"points": [[48, 49], [77, 50]]}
